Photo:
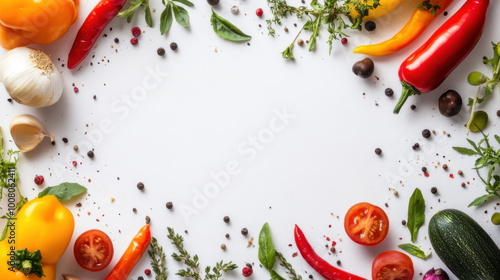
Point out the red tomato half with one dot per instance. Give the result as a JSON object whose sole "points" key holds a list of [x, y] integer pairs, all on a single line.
{"points": [[392, 265], [93, 250], [366, 224]]}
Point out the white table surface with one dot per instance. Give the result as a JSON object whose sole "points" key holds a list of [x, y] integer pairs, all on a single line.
{"points": [[315, 122]]}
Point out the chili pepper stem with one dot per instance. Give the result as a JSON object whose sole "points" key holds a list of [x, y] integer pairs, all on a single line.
{"points": [[408, 90]]}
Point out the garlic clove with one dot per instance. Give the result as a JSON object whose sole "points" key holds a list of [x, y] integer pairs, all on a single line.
{"points": [[30, 77], [70, 277], [28, 132]]}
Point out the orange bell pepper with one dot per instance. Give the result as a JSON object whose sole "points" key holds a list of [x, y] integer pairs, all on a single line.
{"points": [[23, 22]]}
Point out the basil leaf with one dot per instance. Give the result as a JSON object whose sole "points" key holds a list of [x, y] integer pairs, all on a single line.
{"points": [[227, 30], [275, 275], [185, 2], [416, 213], [181, 15], [149, 18], [480, 200], [414, 250], [267, 252], [465, 151], [166, 19], [64, 191]]}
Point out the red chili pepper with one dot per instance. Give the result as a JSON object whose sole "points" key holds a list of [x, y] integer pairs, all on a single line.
{"points": [[132, 255], [320, 265], [93, 26], [428, 67]]}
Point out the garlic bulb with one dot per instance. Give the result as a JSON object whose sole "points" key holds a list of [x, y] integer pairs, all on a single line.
{"points": [[27, 132], [30, 77]]}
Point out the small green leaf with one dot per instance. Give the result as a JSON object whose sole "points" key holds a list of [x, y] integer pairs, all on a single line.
{"points": [[267, 252], [166, 19], [149, 18], [479, 121], [465, 151], [414, 250], [495, 218], [185, 2], [275, 275], [476, 78], [480, 200], [227, 30], [181, 15], [64, 191], [416, 213]]}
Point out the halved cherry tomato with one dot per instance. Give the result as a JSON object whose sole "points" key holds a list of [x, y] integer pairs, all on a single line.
{"points": [[392, 265], [93, 250], [366, 224]]}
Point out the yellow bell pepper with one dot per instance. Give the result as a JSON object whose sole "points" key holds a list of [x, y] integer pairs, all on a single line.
{"points": [[42, 224], [385, 7], [35, 21]]}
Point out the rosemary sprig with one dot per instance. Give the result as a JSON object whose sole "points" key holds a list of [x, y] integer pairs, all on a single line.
{"points": [[288, 267], [330, 13], [193, 267], [158, 260], [489, 158]]}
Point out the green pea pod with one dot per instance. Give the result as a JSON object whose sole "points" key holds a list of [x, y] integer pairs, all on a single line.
{"points": [[227, 30]]}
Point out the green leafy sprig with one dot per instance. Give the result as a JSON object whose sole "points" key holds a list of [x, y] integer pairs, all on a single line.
{"points": [[416, 213], [193, 267], [158, 260], [479, 79], [288, 267], [414, 250], [488, 158], [331, 13]]}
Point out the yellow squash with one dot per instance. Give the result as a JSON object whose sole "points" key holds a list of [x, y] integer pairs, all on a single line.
{"points": [[42, 224]]}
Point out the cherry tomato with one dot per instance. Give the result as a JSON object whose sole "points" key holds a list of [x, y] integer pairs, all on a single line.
{"points": [[93, 250], [392, 265], [366, 224]]}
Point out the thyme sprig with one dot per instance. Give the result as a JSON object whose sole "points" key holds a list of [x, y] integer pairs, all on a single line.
{"points": [[331, 13], [158, 260], [489, 158], [288, 267], [193, 266]]}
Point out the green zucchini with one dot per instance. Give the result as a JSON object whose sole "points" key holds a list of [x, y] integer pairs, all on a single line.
{"points": [[464, 247]]}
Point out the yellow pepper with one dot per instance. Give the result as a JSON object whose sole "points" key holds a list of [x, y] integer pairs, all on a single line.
{"points": [[385, 7], [42, 224], [23, 22]]}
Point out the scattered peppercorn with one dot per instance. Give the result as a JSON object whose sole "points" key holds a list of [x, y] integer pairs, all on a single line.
{"points": [[389, 92], [370, 25], [434, 190], [53, 142], [235, 10], [247, 271], [134, 210], [286, 29], [65, 140], [259, 12], [378, 151], [169, 205], [136, 31], [140, 186], [226, 219], [213, 2], [160, 51], [460, 172], [445, 13], [310, 276], [173, 46], [117, 40], [227, 235], [498, 112], [415, 146], [332, 249], [300, 42], [134, 41], [75, 147], [343, 41], [74, 163], [463, 185], [424, 169], [39, 179], [413, 107], [244, 231], [403, 222], [148, 220], [445, 166], [223, 246], [147, 272], [90, 154], [95, 97], [9, 99], [140, 278], [339, 262], [426, 133]]}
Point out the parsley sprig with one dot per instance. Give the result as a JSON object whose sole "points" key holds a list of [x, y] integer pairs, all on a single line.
{"points": [[331, 13], [193, 266], [487, 158]]}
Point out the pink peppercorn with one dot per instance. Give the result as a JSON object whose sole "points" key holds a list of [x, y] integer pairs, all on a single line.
{"points": [[134, 41], [74, 163], [343, 41], [76, 89], [39, 179], [259, 12], [247, 271], [147, 272], [136, 31]]}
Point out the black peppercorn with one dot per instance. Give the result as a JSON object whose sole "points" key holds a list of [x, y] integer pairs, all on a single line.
{"points": [[413, 107], [378, 151], [244, 231], [226, 219], [416, 146], [339, 262], [227, 235], [140, 186], [148, 220], [65, 140], [403, 222], [117, 40], [434, 190], [370, 25], [424, 169], [498, 112], [426, 133], [160, 51], [389, 92], [450, 103], [134, 210], [173, 46], [140, 278], [9, 99], [169, 205], [90, 154]]}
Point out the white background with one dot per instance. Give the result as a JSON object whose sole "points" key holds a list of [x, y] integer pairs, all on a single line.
{"points": [[212, 97]]}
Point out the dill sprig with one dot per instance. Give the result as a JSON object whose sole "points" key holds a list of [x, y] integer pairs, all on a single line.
{"points": [[158, 260], [331, 13]]}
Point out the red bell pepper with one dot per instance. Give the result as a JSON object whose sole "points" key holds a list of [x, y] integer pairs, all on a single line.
{"points": [[425, 69], [93, 26], [317, 263]]}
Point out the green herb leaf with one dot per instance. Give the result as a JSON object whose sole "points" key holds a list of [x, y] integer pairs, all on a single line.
{"points": [[166, 19], [267, 252], [465, 151], [185, 2], [64, 191], [414, 250], [181, 15], [416, 213], [149, 18], [480, 200], [227, 30], [476, 78], [275, 275]]}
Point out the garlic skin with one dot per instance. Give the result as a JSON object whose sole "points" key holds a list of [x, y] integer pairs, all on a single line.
{"points": [[70, 277], [27, 132], [30, 77]]}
